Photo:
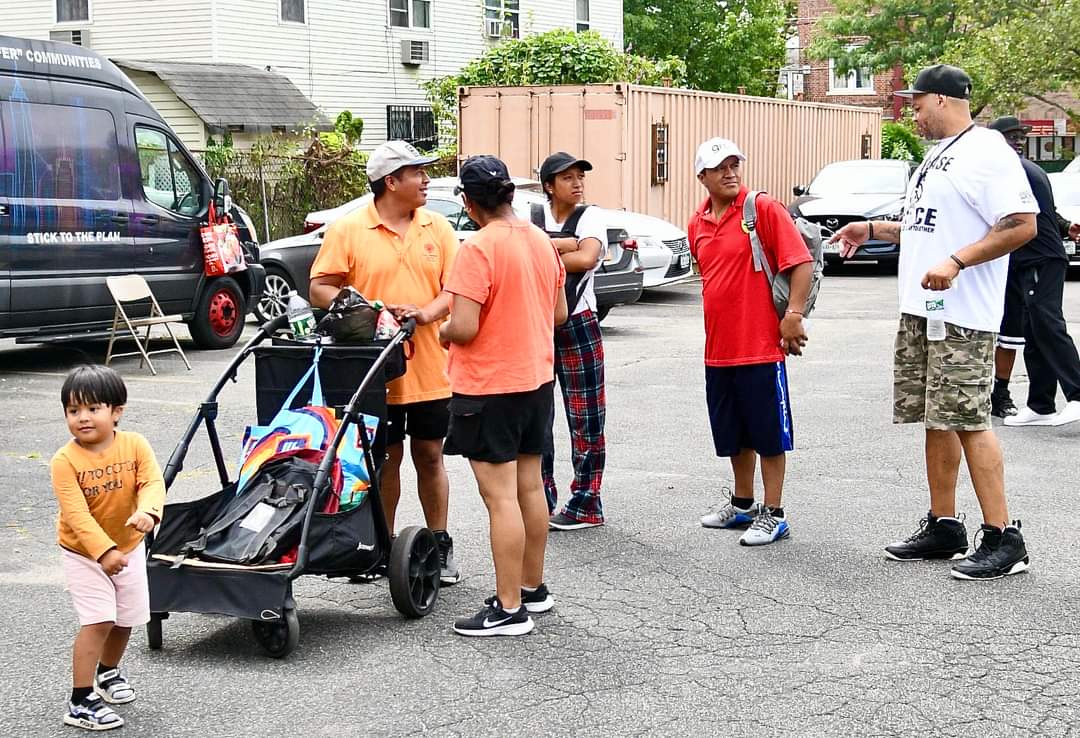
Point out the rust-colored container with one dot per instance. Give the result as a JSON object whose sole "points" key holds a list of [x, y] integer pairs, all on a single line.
{"points": [[642, 140]]}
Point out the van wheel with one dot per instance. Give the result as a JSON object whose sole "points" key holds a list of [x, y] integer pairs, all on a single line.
{"points": [[219, 316]]}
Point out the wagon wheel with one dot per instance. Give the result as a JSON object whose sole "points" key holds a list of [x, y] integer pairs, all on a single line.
{"points": [[153, 630], [278, 637], [414, 572]]}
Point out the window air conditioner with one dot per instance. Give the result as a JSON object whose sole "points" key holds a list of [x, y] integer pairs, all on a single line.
{"points": [[79, 37], [414, 53], [493, 27]]}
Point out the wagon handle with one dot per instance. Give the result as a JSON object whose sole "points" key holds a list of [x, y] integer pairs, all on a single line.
{"points": [[351, 415]]}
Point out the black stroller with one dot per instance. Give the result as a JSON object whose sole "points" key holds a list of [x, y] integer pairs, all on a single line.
{"points": [[343, 544]]}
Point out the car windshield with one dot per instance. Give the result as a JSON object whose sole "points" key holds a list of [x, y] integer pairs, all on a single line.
{"points": [[859, 179]]}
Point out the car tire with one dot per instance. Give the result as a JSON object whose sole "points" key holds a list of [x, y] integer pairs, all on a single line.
{"points": [[219, 314], [275, 295]]}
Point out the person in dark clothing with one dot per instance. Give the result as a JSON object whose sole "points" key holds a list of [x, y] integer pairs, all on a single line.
{"points": [[1037, 273]]}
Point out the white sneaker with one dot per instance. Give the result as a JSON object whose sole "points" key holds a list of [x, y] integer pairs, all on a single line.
{"points": [[766, 528], [1027, 416], [1070, 414]]}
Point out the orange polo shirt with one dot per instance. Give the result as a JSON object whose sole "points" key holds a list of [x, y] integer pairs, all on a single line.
{"points": [[381, 265]]}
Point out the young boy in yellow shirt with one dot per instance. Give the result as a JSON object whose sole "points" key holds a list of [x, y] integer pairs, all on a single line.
{"points": [[111, 492]]}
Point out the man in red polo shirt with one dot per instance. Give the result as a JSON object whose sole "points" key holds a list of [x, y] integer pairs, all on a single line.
{"points": [[745, 378]]}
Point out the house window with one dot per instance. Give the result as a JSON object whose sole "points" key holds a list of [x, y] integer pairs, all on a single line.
{"points": [[72, 11], [412, 123], [410, 13], [506, 11], [582, 15], [858, 81], [293, 11]]}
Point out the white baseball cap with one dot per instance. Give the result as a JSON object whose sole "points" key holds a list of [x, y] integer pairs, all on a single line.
{"points": [[711, 153], [392, 156]]}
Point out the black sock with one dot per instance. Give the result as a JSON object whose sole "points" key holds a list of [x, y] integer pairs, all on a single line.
{"points": [[743, 503], [102, 668], [1001, 386], [777, 512], [78, 694]]}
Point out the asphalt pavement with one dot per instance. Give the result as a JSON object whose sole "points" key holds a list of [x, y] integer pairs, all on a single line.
{"points": [[661, 627]]}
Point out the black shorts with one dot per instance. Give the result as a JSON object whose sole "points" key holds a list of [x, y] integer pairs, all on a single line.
{"points": [[499, 428], [1011, 335], [424, 421], [749, 407]]}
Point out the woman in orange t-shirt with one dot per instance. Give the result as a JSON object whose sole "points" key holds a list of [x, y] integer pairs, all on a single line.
{"points": [[507, 297]]}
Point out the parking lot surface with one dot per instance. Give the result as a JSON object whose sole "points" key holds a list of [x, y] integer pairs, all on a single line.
{"points": [[661, 627]]}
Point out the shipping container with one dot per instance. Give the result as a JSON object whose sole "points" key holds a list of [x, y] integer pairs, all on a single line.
{"points": [[642, 140]]}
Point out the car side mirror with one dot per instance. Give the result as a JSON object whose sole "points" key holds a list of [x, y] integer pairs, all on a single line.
{"points": [[222, 198], [799, 190]]}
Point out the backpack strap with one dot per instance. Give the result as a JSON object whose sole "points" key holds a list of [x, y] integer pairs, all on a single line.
{"points": [[536, 214], [571, 224], [761, 263]]}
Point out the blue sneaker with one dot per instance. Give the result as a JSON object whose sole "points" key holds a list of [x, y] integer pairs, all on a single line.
{"points": [[731, 516], [766, 528]]}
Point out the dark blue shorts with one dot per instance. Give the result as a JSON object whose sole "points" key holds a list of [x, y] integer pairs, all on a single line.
{"points": [[749, 407]]}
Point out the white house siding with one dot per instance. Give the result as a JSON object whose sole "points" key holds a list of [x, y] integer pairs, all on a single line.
{"points": [[135, 29], [348, 57], [182, 119]]}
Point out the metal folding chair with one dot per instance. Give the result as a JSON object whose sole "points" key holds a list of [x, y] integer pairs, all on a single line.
{"points": [[133, 288]]}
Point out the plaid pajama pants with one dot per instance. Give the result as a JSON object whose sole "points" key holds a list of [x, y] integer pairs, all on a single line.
{"points": [[579, 366]]}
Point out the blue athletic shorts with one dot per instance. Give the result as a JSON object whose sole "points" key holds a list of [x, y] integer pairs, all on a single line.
{"points": [[749, 407]]}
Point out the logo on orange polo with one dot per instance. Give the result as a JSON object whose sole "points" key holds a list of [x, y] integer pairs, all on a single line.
{"points": [[432, 254]]}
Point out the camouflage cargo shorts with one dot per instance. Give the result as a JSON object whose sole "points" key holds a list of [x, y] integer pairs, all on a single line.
{"points": [[944, 384]]}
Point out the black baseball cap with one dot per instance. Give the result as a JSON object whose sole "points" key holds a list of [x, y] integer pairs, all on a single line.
{"points": [[1008, 124], [478, 171], [941, 79], [558, 162]]}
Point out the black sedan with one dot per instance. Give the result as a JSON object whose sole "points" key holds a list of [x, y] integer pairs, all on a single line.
{"points": [[860, 189]]}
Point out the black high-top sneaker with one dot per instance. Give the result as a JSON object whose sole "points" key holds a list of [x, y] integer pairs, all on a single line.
{"points": [[1000, 553], [936, 538], [1001, 404]]}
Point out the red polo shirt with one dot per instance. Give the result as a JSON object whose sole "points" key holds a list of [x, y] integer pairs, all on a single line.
{"points": [[741, 326]]}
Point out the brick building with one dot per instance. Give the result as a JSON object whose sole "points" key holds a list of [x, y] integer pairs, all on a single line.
{"points": [[818, 81]]}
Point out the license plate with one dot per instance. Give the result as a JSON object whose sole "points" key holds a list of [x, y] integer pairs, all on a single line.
{"points": [[1070, 248], [830, 248], [684, 261]]}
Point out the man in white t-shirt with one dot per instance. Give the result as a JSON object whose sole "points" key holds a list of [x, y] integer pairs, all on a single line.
{"points": [[968, 205], [579, 350]]}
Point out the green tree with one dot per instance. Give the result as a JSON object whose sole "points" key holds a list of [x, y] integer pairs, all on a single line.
{"points": [[726, 44], [1011, 48], [557, 57]]}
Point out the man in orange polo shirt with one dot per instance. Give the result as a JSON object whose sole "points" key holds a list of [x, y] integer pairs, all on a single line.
{"points": [[396, 251]]}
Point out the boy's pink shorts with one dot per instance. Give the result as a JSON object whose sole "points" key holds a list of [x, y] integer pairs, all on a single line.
{"points": [[99, 598]]}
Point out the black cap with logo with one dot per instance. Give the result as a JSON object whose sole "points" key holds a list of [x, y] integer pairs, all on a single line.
{"points": [[941, 79], [479, 171], [558, 162]]}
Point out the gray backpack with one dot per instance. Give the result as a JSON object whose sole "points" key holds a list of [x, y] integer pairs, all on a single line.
{"points": [[814, 238]]}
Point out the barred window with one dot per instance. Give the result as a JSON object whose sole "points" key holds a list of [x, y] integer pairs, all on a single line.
{"points": [[412, 123]]}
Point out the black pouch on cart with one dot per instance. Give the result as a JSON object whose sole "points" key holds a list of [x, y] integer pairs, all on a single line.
{"points": [[349, 319], [264, 521]]}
